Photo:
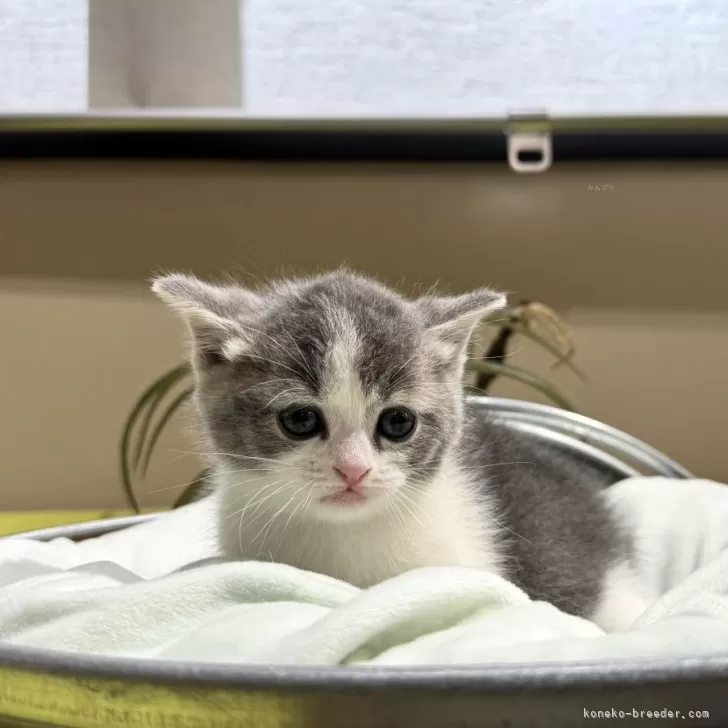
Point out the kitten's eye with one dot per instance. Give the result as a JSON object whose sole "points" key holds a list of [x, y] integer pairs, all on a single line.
{"points": [[397, 423], [301, 422]]}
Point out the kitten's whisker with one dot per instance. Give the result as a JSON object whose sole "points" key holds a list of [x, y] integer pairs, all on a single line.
{"points": [[267, 336], [304, 360], [253, 515], [265, 381], [498, 321], [259, 473], [290, 342], [259, 502], [405, 505], [407, 516], [488, 358], [298, 508], [214, 486], [233, 455], [397, 375], [412, 506], [240, 531], [393, 505], [186, 484], [280, 394], [271, 361], [293, 513], [283, 348], [475, 469], [497, 465], [273, 518], [245, 271], [259, 497], [251, 501], [510, 530], [309, 501]]}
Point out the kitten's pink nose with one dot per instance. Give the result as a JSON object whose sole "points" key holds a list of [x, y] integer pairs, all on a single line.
{"points": [[351, 474]]}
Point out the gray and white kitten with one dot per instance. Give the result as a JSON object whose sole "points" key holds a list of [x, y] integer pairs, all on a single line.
{"points": [[343, 445]]}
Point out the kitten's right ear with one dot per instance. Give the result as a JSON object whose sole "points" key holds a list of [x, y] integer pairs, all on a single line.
{"points": [[215, 315], [451, 320]]}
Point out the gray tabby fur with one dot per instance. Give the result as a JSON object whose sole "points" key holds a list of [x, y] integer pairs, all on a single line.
{"points": [[463, 490]]}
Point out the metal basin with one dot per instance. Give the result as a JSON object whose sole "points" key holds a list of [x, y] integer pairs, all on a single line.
{"points": [[51, 688]]}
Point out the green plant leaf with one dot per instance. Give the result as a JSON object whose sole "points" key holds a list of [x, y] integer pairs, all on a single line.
{"points": [[125, 444], [525, 377], [174, 405], [544, 343], [161, 387]]}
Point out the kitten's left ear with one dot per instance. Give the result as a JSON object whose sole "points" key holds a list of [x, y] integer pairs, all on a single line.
{"points": [[215, 314], [451, 320]]}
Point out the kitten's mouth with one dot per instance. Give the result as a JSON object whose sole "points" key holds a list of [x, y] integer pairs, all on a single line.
{"points": [[345, 498]]}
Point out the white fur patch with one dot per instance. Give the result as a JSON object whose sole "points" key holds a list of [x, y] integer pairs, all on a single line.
{"points": [[234, 348], [621, 602], [344, 396]]}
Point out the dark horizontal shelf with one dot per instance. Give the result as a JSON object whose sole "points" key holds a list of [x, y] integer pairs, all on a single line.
{"points": [[350, 146]]}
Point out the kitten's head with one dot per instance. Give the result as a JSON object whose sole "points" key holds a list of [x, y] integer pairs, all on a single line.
{"points": [[334, 393]]}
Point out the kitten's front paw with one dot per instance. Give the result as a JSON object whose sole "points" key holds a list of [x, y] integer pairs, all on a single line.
{"points": [[620, 604]]}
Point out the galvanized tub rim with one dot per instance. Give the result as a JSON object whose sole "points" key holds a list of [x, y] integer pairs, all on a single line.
{"points": [[496, 676]]}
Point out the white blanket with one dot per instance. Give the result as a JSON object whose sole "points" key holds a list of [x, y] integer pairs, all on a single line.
{"points": [[131, 594]]}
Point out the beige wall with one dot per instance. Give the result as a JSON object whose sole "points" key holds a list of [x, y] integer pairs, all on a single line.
{"points": [[639, 270]]}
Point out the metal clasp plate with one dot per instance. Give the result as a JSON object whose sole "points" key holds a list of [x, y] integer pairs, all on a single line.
{"points": [[529, 142]]}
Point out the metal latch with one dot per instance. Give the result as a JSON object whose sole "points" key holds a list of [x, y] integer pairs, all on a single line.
{"points": [[528, 136]]}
